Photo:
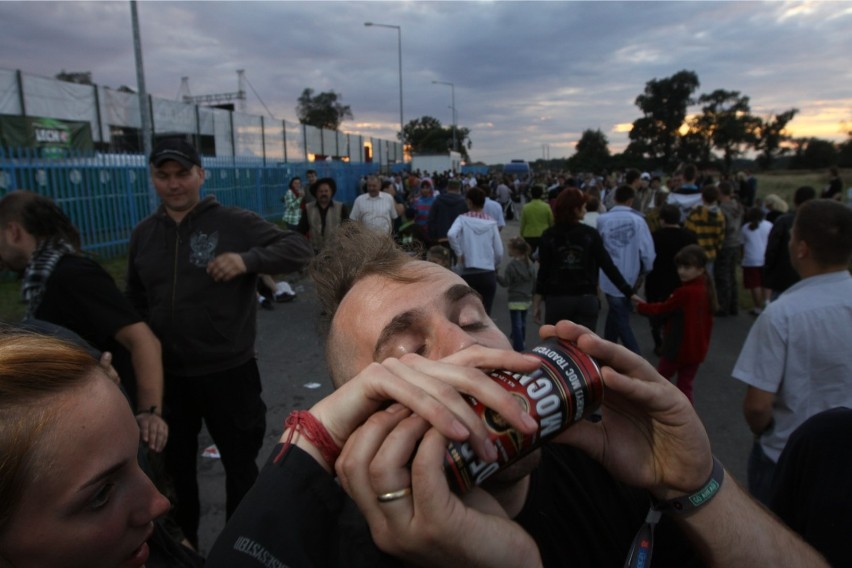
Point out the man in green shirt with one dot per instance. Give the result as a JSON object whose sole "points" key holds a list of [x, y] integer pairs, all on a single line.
{"points": [[536, 216]]}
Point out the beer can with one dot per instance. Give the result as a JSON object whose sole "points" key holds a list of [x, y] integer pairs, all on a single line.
{"points": [[565, 388]]}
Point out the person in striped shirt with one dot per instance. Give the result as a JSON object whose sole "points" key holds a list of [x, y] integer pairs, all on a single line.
{"points": [[708, 223]]}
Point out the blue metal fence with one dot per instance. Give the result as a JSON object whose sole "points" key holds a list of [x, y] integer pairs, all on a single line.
{"points": [[107, 195]]}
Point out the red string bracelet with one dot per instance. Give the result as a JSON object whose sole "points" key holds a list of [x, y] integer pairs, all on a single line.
{"points": [[307, 425]]}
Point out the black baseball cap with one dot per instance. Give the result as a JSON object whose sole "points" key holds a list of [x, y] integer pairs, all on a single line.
{"points": [[175, 149]]}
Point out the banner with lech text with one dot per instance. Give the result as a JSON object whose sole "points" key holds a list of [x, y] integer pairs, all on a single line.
{"points": [[53, 138]]}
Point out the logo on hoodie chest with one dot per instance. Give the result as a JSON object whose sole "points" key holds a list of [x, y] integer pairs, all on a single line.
{"points": [[202, 248]]}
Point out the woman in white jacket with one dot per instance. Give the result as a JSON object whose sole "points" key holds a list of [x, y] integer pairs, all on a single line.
{"points": [[476, 241]]}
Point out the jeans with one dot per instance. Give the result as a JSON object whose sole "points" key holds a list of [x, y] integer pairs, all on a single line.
{"points": [[761, 470], [618, 322], [519, 328]]}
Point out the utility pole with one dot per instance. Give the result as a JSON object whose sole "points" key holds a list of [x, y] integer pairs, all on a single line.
{"points": [[147, 131]]}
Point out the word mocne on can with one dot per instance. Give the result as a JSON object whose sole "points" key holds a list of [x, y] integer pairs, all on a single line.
{"points": [[566, 388]]}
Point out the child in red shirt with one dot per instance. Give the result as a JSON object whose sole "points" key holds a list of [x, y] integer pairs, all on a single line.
{"points": [[689, 318]]}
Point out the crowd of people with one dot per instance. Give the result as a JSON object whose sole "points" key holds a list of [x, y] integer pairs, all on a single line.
{"points": [[358, 479]]}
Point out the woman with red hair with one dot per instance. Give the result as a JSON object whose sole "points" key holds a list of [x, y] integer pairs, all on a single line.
{"points": [[571, 255]]}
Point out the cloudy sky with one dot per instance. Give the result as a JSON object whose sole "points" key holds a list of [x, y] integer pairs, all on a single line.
{"points": [[529, 77]]}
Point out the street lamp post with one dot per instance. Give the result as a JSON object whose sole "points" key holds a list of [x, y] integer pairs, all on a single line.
{"points": [[453, 95], [399, 51]]}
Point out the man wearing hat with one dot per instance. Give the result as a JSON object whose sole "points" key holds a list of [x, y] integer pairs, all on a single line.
{"points": [[650, 185], [192, 273], [323, 215]]}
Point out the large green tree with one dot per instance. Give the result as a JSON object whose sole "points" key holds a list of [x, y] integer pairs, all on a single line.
{"points": [[323, 110], [592, 152], [693, 146], [771, 133], [426, 135], [726, 121], [663, 106]]}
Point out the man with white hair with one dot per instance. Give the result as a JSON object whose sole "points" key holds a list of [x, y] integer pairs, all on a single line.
{"points": [[376, 209]]}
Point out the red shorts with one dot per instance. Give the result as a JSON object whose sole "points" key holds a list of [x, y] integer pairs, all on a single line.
{"points": [[752, 277]]}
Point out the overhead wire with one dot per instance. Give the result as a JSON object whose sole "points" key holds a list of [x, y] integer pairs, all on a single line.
{"points": [[253, 90]]}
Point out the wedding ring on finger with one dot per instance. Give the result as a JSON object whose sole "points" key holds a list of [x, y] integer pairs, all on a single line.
{"points": [[394, 495]]}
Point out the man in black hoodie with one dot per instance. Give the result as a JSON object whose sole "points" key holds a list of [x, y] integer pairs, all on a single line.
{"points": [[444, 211], [192, 274]]}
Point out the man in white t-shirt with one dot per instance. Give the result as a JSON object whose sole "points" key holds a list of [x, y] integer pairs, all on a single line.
{"points": [[796, 360], [376, 209]]}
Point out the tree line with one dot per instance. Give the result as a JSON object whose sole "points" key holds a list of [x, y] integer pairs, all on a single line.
{"points": [[425, 135], [722, 132]]}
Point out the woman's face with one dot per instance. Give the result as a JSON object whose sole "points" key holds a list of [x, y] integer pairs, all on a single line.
{"points": [[90, 504], [296, 185]]}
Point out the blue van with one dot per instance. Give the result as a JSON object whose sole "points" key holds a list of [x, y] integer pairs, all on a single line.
{"points": [[519, 168]]}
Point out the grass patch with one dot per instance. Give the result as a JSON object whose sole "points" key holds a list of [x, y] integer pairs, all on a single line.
{"points": [[785, 183], [13, 310]]}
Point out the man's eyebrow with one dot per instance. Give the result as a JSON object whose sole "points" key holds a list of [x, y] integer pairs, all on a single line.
{"points": [[398, 324], [459, 291], [406, 320]]}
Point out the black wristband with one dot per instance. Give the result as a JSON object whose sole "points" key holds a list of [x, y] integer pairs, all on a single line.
{"points": [[689, 503]]}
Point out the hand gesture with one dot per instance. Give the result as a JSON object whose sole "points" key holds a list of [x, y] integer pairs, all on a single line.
{"points": [[650, 435], [419, 519], [536, 310], [153, 430], [434, 391], [226, 266]]}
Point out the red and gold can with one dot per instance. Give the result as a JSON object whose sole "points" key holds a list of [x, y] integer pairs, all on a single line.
{"points": [[566, 388]]}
